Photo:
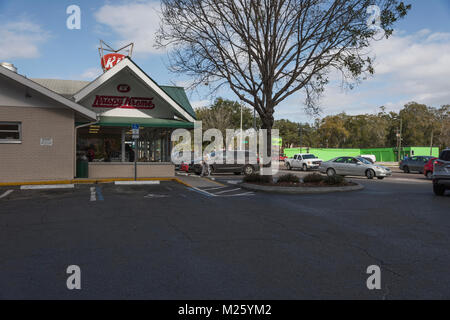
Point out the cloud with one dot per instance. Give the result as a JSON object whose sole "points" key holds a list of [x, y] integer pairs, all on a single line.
{"points": [[21, 40], [408, 67], [91, 73], [133, 22], [200, 103]]}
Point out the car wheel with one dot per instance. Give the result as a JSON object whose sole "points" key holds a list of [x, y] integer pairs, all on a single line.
{"points": [[438, 189], [406, 169], [248, 170], [429, 175], [305, 167], [370, 174], [380, 178], [331, 172], [288, 166]]}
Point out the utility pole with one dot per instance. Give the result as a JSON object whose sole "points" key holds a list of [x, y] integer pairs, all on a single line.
{"points": [[431, 142], [399, 140], [240, 144], [300, 133]]}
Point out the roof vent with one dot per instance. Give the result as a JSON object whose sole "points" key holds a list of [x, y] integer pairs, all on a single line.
{"points": [[9, 66]]}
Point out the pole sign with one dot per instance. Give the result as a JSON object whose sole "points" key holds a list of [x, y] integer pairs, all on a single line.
{"points": [[135, 131], [110, 60]]}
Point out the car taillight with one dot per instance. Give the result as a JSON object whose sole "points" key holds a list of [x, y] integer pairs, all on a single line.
{"points": [[439, 163]]}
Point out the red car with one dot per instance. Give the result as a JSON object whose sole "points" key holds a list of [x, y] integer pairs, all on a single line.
{"points": [[283, 157], [428, 168]]}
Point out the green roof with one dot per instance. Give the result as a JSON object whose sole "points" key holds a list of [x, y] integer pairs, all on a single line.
{"points": [[179, 95], [144, 122]]}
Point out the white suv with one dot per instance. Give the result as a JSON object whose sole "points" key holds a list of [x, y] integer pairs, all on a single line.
{"points": [[303, 161], [441, 173]]}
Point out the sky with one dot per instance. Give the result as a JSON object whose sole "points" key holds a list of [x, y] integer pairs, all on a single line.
{"points": [[412, 65]]}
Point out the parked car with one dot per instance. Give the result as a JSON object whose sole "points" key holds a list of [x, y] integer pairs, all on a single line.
{"points": [[441, 173], [303, 161], [428, 168], [372, 158], [182, 166], [350, 166], [218, 163], [415, 163]]}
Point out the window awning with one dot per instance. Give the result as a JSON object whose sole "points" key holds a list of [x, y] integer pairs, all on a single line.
{"points": [[144, 122]]}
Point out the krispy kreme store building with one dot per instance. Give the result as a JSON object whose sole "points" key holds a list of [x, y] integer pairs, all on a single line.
{"points": [[105, 112]]}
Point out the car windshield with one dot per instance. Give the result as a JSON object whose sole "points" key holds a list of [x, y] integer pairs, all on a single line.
{"points": [[365, 161], [309, 156]]}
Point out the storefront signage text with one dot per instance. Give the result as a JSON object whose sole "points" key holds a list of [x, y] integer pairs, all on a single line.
{"points": [[123, 102], [110, 60]]}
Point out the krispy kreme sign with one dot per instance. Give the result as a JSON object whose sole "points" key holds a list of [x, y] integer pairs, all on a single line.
{"points": [[110, 60], [123, 102]]}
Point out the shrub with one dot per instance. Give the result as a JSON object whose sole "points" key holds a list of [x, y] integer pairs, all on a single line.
{"points": [[257, 178], [313, 178], [288, 178], [334, 180]]}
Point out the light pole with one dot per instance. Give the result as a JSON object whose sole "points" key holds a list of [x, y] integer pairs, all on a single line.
{"points": [[240, 143], [300, 132]]}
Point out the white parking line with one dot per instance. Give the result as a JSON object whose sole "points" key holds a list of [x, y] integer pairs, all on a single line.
{"points": [[93, 194], [205, 193], [6, 194], [50, 186], [216, 188], [221, 192], [239, 194], [140, 183]]}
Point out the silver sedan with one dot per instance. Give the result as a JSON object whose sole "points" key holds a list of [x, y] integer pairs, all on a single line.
{"points": [[350, 166]]}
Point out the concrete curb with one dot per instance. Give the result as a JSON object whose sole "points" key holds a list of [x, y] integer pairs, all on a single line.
{"points": [[300, 190], [87, 181]]}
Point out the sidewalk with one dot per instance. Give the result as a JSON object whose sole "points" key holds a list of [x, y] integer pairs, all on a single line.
{"points": [[197, 181], [388, 164]]}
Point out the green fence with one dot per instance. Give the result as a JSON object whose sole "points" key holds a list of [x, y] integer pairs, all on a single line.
{"points": [[382, 154], [324, 154]]}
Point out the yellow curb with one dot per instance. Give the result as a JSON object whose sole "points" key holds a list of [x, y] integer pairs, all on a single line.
{"points": [[182, 182], [213, 181]]}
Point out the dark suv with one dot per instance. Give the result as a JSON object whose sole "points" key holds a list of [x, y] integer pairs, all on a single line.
{"points": [[236, 162], [441, 173]]}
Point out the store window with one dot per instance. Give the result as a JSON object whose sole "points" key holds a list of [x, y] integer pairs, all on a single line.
{"points": [[10, 132]]}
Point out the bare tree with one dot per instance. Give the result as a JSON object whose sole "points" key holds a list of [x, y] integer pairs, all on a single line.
{"points": [[266, 50]]}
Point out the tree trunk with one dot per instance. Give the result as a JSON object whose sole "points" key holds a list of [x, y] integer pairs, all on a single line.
{"points": [[267, 124]]}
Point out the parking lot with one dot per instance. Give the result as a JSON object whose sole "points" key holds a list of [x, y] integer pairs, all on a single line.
{"points": [[169, 241]]}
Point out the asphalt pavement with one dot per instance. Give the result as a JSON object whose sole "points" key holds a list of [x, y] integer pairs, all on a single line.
{"points": [[170, 241]]}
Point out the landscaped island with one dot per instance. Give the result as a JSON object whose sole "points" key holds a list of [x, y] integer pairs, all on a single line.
{"points": [[290, 183]]}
